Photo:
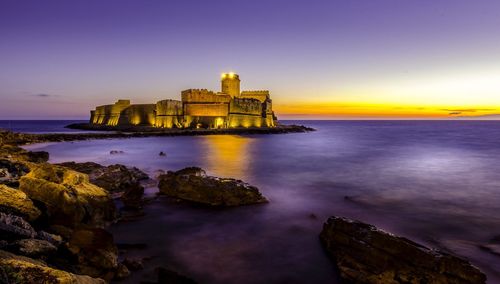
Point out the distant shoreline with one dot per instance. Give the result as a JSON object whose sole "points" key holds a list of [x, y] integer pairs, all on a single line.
{"points": [[136, 132]]}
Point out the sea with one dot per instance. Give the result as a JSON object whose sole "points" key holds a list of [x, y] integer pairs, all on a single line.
{"points": [[435, 182]]}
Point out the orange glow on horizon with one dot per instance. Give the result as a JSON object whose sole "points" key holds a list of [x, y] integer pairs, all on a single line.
{"points": [[395, 111]]}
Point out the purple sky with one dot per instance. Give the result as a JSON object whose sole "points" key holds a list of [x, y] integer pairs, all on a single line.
{"points": [[58, 59]]}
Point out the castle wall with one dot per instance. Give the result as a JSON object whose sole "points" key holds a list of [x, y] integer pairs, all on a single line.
{"points": [[245, 106], [141, 114], [109, 114], [261, 95], [203, 96], [169, 114]]}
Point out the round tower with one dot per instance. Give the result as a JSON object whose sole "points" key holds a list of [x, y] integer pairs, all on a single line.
{"points": [[230, 84]]}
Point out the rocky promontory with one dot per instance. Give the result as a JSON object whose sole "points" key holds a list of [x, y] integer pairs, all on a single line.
{"points": [[194, 185], [366, 254]]}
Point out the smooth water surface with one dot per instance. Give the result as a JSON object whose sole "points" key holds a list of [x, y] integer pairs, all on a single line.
{"points": [[435, 182]]}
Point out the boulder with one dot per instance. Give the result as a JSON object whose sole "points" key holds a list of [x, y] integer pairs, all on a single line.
{"points": [[94, 252], [114, 178], [12, 171], [68, 197], [192, 184], [14, 227], [54, 239], [37, 156], [20, 269], [34, 248], [365, 254], [13, 201]]}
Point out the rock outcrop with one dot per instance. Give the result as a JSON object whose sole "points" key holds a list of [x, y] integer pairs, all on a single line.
{"points": [[20, 269], [115, 178], [12, 171], [68, 196], [192, 184], [365, 254], [14, 201]]}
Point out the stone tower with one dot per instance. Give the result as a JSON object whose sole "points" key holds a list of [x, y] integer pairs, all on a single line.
{"points": [[230, 84]]}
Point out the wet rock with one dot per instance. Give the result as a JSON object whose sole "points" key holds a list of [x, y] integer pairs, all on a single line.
{"points": [[34, 248], [491, 248], [162, 154], [115, 152], [14, 227], [11, 172], [86, 168], [68, 197], [365, 254], [133, 264], [94, 251], [37, 157], [132, 197], [55, 240], [192, 184], [13, 201], [20, 269], [122, 272], [114, 178]]}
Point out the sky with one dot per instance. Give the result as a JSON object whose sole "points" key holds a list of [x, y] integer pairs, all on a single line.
{"points": [[332, 59]]}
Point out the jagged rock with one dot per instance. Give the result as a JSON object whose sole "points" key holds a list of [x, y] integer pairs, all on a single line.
{"points": [[37, 157], [11, 172], [122, 272], [13, 201], [95, 253], [365, 254], [34, 247], [192, 184], [68, 196], [14, 227], [132, 197], [133, 263], [114, 178], [55, 240], [20, 269]]}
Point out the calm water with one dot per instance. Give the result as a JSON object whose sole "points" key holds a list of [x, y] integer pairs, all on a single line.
{"points": [[39, 126], [435, 182]]}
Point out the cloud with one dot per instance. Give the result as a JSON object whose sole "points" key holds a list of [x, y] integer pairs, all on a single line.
{"points": [[469, 109], [455, 113], [43, 95]]}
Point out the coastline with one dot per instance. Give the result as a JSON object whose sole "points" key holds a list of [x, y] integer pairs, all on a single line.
{"points": [[136, 132]]}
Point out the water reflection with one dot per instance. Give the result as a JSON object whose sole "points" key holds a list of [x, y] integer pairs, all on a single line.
{"points": [[228, 155]]}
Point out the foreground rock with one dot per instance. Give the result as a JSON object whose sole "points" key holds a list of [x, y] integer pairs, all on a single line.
{"points": [[192, 184], [365, 254], [68, 196], [115, 178], [13, 201], [20, 269]]}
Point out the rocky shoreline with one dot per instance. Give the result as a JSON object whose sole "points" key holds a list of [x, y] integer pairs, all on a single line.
{"points": [[53, 220]]}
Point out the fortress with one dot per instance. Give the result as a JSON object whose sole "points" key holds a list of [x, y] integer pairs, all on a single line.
{"points": [[198, 108]]}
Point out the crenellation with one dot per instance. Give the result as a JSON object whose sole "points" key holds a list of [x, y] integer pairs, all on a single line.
{"points": [[197, 108]]}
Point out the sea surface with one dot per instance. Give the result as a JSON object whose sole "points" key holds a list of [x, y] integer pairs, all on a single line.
{"points": [[436, 182], [39, 126]]}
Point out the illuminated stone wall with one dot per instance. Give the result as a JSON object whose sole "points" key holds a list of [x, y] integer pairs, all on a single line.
{"points": [[230, 84], [204, 96], [169, 114], [109, 114], [143, 114], [262, 95]]}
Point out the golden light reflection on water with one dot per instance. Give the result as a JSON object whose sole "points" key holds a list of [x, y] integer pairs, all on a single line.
{"points": [[228, 155]]}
